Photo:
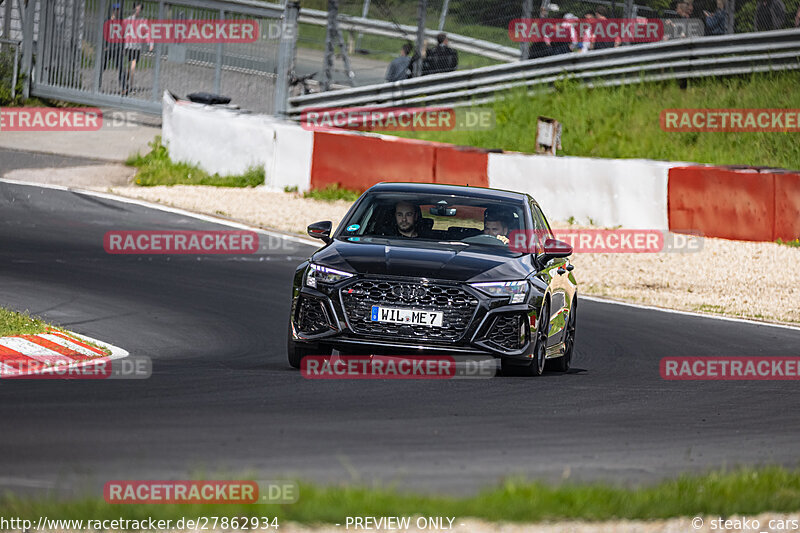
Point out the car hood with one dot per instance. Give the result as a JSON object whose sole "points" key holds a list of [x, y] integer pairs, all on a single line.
{"points": [[424, 260]]}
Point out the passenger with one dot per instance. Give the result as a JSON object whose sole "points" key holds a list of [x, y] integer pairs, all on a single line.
{"points": [[496, 224]]}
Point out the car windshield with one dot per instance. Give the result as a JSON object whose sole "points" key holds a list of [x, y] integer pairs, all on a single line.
{"points": [[426, 218]]}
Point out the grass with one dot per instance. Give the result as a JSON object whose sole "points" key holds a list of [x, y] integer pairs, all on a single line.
{"points": [[795, 243], [13, 323], [623, 122], [722, 493], [156, 168], [332, 193]]}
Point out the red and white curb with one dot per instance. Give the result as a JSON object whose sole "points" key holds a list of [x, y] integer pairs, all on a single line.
{"points": [[43, 353]]}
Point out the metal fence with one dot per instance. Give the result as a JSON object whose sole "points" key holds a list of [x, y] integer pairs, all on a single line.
{"points": [[71, 60], [487, 22], [680, 59], [76, 62]]}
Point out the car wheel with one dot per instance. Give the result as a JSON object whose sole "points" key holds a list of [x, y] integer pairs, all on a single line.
{"points": [[537, 363], [563, 363], [297, 351]]}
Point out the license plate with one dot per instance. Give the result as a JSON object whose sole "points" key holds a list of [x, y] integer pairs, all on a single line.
{"points": [[406, 316]]}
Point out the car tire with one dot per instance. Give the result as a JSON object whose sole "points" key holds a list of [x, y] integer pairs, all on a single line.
{"points": [[538, 363], [297, 351], [563, 363]]}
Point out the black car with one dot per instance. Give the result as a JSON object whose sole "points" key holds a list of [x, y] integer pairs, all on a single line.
{"points": [[418, 269]]}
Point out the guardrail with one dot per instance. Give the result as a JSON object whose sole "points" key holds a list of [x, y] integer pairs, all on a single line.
{"points": [[686, 58], [389, 29]]}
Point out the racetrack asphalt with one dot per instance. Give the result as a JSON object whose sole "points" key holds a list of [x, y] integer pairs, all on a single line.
{"points": [[223, 399]]}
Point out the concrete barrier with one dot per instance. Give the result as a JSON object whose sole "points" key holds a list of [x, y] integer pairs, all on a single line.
{"points": [[722, 203], [631, 193], [357, 162], [787, 206], [608, 192], [219, 140]]}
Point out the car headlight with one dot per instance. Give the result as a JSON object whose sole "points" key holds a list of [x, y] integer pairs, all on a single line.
{"points": [[320, 274], [516, 291]]}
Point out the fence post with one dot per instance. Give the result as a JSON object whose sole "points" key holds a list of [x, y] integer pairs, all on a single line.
{"points": [[443, 15], [14, 76], [157, 63], [628, 9], [364, 13], [9, 6], [27, 50], [527, 12], [330, 36], [286, 52], [422, 10], [218, 64], [100, 46], [731, 10]]}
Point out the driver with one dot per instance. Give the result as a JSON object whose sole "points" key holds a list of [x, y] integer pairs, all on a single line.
{"points": [[496, 223], [407, 219]]}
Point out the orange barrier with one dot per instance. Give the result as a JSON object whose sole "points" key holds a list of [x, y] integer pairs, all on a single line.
{"points": [[360, 161], [787, 206], [722, 203], [461, 166], [357, 162]]}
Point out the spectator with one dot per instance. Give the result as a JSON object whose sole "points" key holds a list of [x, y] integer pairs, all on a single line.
{"points": [[797, 18], [601, 14], [587, 39], [770, 15], [399, 67], [717, 23], [541, 48], [569, 25], [680, 27], [133, 50], [440, 58]]}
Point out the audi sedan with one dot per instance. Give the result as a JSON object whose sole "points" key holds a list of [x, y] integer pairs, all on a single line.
{"points": [[418, 269]]}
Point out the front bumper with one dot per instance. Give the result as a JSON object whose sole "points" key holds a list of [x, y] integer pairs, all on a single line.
{"points": [[474, 323]]}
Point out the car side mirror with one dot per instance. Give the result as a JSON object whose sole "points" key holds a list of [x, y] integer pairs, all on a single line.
{"points": [[553, 248], [321, 230]]}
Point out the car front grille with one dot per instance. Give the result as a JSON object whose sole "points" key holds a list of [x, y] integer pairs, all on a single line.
{"points": [[457, 304], [311, 317], [506, 332]]}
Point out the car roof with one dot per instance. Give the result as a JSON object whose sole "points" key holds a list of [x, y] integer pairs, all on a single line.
{"points": [[461, 190]]}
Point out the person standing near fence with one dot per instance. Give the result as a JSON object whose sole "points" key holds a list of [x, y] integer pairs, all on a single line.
{"points": [[440, 58], [133, 48], [716, 23], [770, 15], [399, 67]]}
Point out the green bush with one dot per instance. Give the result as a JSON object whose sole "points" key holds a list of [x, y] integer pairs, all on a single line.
{"points": [[6, 77]]}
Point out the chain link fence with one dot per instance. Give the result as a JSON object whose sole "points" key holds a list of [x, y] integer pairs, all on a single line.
{"points": [[489, 21]]}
